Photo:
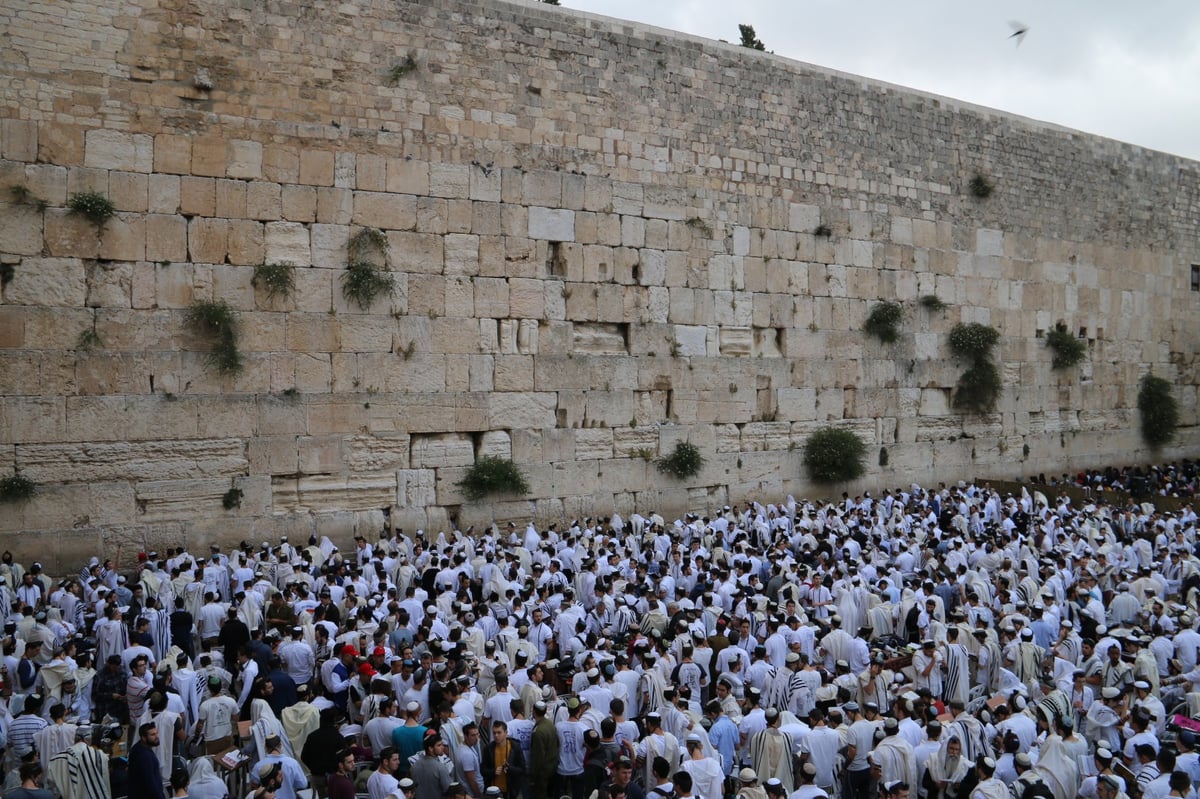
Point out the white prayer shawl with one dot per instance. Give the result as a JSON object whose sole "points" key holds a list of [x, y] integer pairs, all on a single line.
{"points": [[250, 611], [53, 675], [264, 725], [300, 721], [942, 771], [1058, 768], [650, 691], [204, 780], [80, 772], [992, 789], [881, 620], [110, 639], [771, 756], [193, 691], [52, 740], [896, 760], [165, 751], [663, 745]]}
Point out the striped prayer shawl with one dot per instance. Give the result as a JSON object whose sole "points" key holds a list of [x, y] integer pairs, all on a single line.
{"points": [[958, 671], [81, 772], [160, 631]]}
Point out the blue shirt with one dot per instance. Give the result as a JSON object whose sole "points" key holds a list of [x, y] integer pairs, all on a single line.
{"points": [[292, 775], [724, 737]]}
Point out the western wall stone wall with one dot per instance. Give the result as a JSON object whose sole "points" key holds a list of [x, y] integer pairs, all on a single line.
{"points": [[606, 238]]}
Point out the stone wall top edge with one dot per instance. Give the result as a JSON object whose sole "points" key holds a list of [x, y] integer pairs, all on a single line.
{"points": [[616, 25]]}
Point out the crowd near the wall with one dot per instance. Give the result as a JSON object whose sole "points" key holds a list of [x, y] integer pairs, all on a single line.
{"points": [[952, 643]]}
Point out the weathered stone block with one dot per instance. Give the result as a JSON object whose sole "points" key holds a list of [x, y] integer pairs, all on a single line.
{"points": [[551, 224], [439, 450], [244, 159], [287, 243], [111, 149]]}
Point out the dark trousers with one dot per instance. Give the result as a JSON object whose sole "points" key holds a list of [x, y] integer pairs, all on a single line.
{"points": [[858, 784]]}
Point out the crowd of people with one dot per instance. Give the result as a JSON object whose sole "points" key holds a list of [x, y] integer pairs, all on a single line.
{"points": [[948, 643]]}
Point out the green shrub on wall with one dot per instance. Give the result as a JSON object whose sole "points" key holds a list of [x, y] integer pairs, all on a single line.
{"points": [[491, 475], [832, 455], [218, 321], [979, 387], [16, 488], [973, 341], [1068, 350], [683, 462], [1159, 410], [884, 321]]}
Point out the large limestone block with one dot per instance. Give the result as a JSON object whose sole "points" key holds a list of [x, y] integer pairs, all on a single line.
{"points": [[21, 230], [54, 282], [691, 340], [244, 159], [610, 408], [416, 488], [109, 285], [461, 254], [171, 500], [496, 444], [137, 461], [287, 243], [385, 211], [449, 180], [166, 238], [111, 149], [635, 442], [70, 234], [551, 224], [208, 240], [324, 493], [594, 444], [446, 449], [514, 410]]}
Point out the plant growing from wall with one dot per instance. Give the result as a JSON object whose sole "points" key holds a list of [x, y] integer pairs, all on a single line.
{"points": [[933, 302], [93, 205], [398, 71], [884, 321], [364, 279], [22, 194], [1068, 350], [491, 475], [979, 387], [834, 455], [218, 322], [16, 488], [683, 462], [1159, 410], [277, 279], [981, 187], [232, 499], [88, 340], [698, 224]]}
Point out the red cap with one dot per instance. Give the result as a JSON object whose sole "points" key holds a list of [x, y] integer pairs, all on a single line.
{"points": [[349, 650], [141, 556], [379, 651], [367, 670]]}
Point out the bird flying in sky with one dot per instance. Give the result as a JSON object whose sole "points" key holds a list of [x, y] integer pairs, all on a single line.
{"points": [[1019, 31]]}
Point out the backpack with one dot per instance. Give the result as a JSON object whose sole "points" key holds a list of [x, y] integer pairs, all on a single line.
{"points": [[659, 793]]}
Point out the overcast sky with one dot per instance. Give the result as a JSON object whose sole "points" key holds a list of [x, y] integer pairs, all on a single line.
{"points": [[1122, 69]]}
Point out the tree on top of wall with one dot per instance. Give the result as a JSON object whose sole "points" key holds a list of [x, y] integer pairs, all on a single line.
{"points": [[750, 38]]}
